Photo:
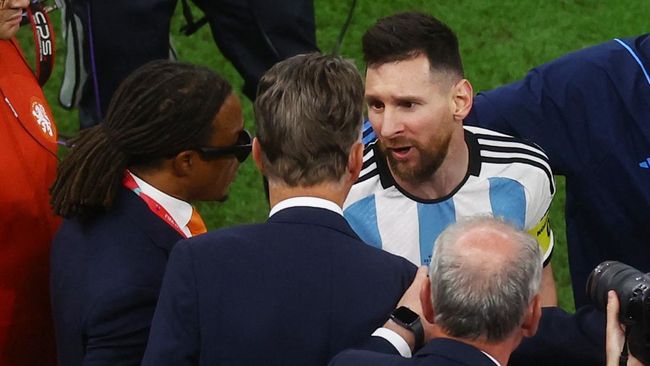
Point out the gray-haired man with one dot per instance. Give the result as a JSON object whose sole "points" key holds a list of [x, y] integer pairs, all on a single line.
{"points": [[482, 294]]}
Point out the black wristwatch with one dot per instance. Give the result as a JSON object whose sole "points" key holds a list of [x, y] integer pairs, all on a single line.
{"points": [[408, 319]]}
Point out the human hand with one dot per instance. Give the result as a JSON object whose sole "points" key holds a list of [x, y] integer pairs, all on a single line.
{"points": [[615, 334], [411, 298]]}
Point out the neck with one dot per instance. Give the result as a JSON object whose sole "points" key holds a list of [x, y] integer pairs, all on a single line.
{"points": [[447, 177], [335, 192], [162, 181]]}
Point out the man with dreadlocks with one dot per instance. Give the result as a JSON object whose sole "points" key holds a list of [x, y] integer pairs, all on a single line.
{"points": [[27, 224], [173, 134]]}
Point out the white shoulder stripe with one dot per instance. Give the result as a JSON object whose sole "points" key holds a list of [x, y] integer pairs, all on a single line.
{"points": [[510, 144], [368, 170], [368, 154]]}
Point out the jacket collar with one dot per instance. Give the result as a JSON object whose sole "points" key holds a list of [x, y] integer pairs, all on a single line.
{"points": [[129, 204], [457, 350], [314, 216]]}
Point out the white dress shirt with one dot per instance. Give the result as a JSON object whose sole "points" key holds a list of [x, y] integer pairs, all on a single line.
{"points": [[179, 210], [305, 201]]}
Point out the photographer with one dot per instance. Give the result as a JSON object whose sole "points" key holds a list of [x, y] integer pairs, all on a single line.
{"points": [[615, 333]]}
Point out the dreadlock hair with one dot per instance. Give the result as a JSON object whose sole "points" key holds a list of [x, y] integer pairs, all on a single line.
{"points": [[161, 109]]}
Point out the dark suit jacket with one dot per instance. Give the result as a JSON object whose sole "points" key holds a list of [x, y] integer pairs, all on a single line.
{"points": [[590, 112], [565, 339], [295, 290], [105, 280], [438, 352]]}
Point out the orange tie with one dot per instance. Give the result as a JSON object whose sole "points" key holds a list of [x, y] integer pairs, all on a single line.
{"points": [[196, 224]]}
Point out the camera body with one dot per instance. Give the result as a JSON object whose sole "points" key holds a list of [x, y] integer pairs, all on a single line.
{"points": [[633, 289]]}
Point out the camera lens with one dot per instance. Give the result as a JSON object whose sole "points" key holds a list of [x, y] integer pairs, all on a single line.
{"points": [[612, 275], [633, 290]]}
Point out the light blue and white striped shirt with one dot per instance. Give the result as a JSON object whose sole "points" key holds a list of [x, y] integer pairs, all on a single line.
{"points": [[507, 177]]}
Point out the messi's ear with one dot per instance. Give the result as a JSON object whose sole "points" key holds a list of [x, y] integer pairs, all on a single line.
{"points": [[462, 97]]}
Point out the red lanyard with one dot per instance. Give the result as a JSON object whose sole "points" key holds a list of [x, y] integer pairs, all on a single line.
{"points": [[154, 206]]}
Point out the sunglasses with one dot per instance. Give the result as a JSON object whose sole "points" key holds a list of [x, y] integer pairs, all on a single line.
{"points": [[241, 149]]}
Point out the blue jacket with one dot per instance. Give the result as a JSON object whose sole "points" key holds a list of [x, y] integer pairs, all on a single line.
{"points": [[437, 352], [105, 280], [590, 112], [295, 290], [565, 339]]}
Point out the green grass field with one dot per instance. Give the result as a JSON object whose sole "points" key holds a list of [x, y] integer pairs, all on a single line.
{"points": [[500, 41]]}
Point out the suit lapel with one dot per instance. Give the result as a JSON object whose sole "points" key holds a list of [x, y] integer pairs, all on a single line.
{"points": [[163, 235], [314, 216]]}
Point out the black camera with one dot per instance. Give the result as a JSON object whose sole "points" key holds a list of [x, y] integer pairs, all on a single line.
{"points": [[633, 289]]}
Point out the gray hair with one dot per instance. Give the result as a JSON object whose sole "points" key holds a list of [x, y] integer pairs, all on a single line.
{"points": [[474, 298], [308, 116]]}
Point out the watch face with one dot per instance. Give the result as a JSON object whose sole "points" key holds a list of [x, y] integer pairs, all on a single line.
{"points": [[405, 315]]}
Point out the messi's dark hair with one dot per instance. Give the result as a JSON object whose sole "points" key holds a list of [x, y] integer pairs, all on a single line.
{"points": [[407, 35], [161, 109]]}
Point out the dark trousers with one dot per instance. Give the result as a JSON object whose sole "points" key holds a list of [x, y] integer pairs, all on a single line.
{"points": [[125, 34]]}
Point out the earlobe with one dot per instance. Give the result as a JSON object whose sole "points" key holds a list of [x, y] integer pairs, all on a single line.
{"points": [[463, 99]]}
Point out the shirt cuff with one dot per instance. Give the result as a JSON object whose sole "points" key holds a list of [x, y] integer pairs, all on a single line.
{"points": [[394, 339]]}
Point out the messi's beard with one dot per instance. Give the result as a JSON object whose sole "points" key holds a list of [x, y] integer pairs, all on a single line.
{"points": [[429, 160]]}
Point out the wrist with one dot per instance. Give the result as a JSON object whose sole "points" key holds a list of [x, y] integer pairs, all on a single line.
{"points": [[410, 322], [404, 333]]}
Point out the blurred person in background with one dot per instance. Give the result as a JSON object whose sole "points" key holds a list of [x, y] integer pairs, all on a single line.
{"points": [[590, 111], [28, 161], [252, 34]]}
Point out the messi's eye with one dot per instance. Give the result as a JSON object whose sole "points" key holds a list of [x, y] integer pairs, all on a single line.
{"points": [[375, 105], [406, 104]]}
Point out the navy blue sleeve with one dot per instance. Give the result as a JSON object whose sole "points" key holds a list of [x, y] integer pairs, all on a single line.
{"points": [[174, 338], [573, 107], [565, 339], [537, 108], [117, 326]]}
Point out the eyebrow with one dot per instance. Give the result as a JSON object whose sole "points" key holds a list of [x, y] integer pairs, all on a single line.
{"points": [[398, 98]]}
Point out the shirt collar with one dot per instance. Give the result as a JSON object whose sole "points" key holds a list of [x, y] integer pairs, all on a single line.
{"points": [[179, 210], [305, 201], [491, 358]]}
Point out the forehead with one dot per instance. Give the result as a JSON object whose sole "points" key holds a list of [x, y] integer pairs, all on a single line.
{"points": [[401, 78], [228, 121]]}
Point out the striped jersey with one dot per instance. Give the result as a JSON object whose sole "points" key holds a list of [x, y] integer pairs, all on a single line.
{"points": [[507, 177]]}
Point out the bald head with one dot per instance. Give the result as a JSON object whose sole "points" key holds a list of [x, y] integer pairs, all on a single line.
{"points": [[484, 273]]}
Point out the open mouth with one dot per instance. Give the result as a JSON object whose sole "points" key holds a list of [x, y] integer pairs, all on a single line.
{"points": [[400, 152]]}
